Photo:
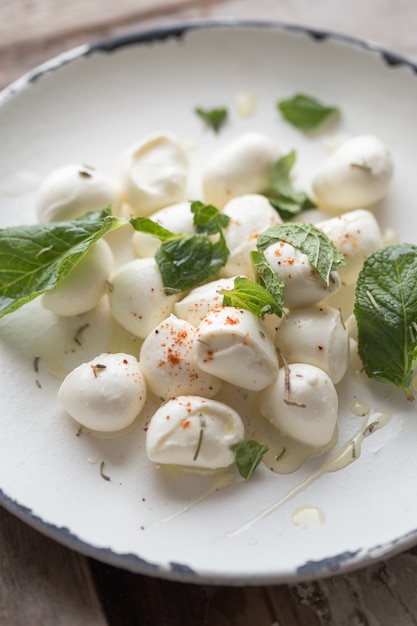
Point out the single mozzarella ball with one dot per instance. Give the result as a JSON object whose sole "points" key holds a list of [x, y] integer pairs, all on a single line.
{"points": [[315, 335], [302, 404], [72, 191], [234, 345], [355, 234], [238, 168], [199, 301], [168, 365], [177, 218], [352, 327], [153, 173], [303, 284], [249, 215], [105, 394], [355, 176], [137, 297], [194, 432], [81, 290]]}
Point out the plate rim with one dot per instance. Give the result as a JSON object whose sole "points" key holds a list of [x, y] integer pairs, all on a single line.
{"points": [[336, 564]]}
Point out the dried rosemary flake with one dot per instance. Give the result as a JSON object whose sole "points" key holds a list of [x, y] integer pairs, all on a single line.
{"points": [[102, 474], [78, 334]]}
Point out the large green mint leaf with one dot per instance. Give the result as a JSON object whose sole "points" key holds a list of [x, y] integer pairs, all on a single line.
{"points": [[188, 260], [305, 112], [310, 240], [35, 258], [386, 314]]}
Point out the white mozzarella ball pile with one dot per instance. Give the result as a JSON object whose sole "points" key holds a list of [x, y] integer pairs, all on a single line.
{"points": [[318, 336], [240, 167], [194, 347], [250, 215], [153, 173], [73, 190], [166, 359], [302, 403], [196, 432], [137, 297], [355, 176], [105, 394], [355, 234], [303, 284], [199, 301], [234, 346]]}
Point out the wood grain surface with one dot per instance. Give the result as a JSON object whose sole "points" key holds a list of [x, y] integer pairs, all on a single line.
{"points": [[45, 584]]}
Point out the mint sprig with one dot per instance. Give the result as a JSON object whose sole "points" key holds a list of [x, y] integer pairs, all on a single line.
{"points": [[188, 260], [281, 194], [310, 240], [386, 315], [248, 455], [36, 258], [249, 295], [305, 112], [214, 118]]}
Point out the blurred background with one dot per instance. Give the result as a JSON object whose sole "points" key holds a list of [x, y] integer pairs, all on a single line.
{"points": [[32, 31]]}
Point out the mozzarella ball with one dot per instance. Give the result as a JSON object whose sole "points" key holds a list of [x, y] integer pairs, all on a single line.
{"points": [[303, 284], [355, 234], [81, 290], [194, 432], [72, 191], [153, 173], [137, 297], [302, 404], [199, 301], [177, 218], [240, 167], [315, 335], [167, 362], [105, 394], [355, 176], [249, 215], [234, 345]]}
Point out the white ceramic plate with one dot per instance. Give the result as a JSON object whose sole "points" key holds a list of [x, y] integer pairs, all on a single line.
{"points": [[88, 106]]}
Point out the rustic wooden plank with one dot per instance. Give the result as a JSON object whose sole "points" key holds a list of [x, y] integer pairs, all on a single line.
{"points": [[384, 594], [128, 596], [53, 19], [41, 582]]}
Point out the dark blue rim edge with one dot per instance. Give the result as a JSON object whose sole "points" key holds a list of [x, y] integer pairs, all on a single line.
{"points": [[337, 564]]}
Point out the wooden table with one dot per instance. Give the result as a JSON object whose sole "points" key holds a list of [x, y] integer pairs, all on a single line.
{"points": [[45, 584]]}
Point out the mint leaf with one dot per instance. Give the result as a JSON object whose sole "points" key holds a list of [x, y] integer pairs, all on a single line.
{"points": [[386, 314], [186, 261], [305, 112], [310, 240], [35, 258], [248, 455], [266, 277], [208, 219], [246, 294], [214, 118], [281, 194], [148, 226]]}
